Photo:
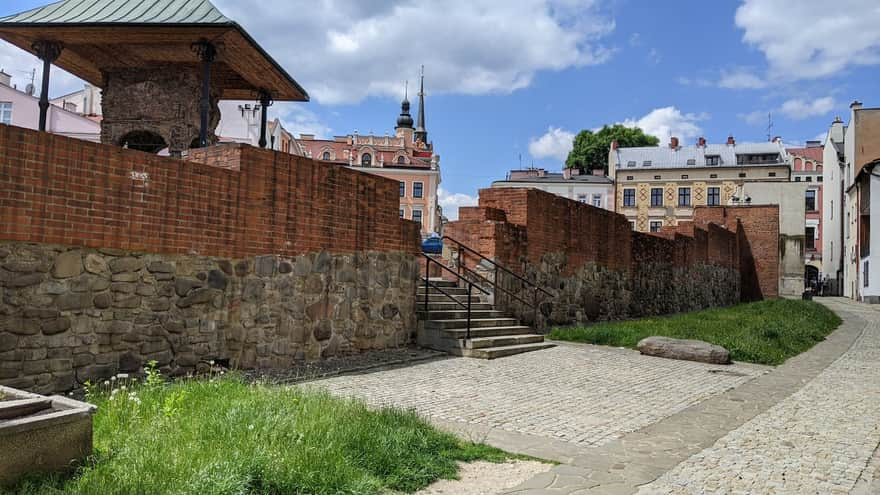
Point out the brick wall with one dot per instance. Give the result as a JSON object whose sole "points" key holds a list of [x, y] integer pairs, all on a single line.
{"points": [[757, 229], [66, 191], [600, 269]]}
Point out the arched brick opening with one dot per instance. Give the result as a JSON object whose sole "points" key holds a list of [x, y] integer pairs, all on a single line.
{"points": [[142, 140]]}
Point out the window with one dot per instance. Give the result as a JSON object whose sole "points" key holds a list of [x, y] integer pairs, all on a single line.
{"points": [[656, 196], [632, 225], [797, 179], [810, 238], [597, 200], [684, 176], [417, 216], [771, 174], [646, 163], [366, 160], [691, 161], [417, 189], [401, 160], [6, 112], [714, 197], [655, 225], [742, 174], [582, 198], [713, 176], [656, 177], [629, 177], [713, 160], [402, 189], [325, 156], [401, 213], [631, 163], [809, 179], [811, 200], [819, 179], [629, 197], [684, 196]]}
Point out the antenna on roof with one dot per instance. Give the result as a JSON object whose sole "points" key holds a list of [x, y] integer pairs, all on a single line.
{"points": [[520, 161], [769, 127]]}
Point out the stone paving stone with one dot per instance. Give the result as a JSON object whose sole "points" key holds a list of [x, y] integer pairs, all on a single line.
{"points": [[578, 394], [818, 440]]}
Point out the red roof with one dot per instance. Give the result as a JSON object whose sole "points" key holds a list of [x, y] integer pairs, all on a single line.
{"points": [[812, 153]]}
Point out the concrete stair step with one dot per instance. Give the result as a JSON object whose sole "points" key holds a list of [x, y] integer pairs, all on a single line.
{"points": [[440, 282], [503, 341], [459, 314], [475, 323], [461, 333], [451, 306], [502, 351], [453, 291], [443, 298]]}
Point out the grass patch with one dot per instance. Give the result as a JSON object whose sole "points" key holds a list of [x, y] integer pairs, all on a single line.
{"points": [[228, 437], [765, 332]]}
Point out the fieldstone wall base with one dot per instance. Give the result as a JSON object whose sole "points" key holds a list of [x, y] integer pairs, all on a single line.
{"points": [[68, 315]]}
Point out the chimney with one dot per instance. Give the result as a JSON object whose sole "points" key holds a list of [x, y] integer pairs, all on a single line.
{"points": [[855, 105], [777, 139], [701, 142], [5, 79], [837, 120], [673, 142], [730, 140], [614, 145]]}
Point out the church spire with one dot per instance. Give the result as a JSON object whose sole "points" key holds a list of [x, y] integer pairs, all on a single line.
{"points": [[421, 133]]}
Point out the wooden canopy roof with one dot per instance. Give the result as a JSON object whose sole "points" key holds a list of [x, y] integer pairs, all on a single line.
{"points": [[101, 35]]}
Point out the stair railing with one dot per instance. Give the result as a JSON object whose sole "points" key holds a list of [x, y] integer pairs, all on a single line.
{"points": [[528, 284], [459, 278]]}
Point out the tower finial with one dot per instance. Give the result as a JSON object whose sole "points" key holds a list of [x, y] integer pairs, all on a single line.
{"points": [[421, 133], [404, 120]]}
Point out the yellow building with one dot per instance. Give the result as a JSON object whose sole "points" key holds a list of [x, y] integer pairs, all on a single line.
{"points": [[656, 186]]}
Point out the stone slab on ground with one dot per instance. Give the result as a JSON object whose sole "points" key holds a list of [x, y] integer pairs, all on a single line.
{"points": [[684, 349]]}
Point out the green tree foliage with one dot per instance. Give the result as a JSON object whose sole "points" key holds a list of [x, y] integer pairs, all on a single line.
{"points": [[590, 149]]}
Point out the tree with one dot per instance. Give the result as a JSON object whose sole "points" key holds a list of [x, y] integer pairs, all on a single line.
{"points": [[590, 150]]}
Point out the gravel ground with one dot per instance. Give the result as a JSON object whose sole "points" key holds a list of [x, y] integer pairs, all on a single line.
{"points": [[303, 372], [486, 478]]}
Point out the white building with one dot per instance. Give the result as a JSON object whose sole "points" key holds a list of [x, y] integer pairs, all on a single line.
{"points": [[851, 155], [22, 109], [596, 190], [86, 101]]}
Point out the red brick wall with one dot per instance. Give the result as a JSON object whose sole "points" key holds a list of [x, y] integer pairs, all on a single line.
{"points": [[66, 191], [757, 229]]}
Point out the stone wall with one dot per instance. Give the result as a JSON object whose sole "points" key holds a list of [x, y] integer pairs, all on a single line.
{"points": [[591, 263], [70, 314]]}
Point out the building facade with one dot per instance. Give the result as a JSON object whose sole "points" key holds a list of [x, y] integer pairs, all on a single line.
{"points": [[407, 157], [595, 190], [806, 167], [851, 153], [659, 186], [21, 108], [86, 102]]}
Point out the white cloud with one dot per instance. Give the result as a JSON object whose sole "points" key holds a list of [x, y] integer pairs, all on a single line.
{"points": [[450, 202], [798, 108], [754, 118], [20, 64], [555, 143], [669, 121], [815, 39], [346, 50], [297, 119], [741, 78]]}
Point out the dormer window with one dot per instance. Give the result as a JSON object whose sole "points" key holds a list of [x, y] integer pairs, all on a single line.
{"points": [[713, 160], [401, 160], [631, 163], [325, 156], [691, 161], [646, 163], [366, 160]]}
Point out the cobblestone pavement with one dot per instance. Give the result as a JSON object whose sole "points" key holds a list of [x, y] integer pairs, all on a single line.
{"points": [[579, 394], [818, 440]]}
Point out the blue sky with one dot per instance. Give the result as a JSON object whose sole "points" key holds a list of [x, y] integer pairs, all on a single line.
{"points": [[508, 80]]}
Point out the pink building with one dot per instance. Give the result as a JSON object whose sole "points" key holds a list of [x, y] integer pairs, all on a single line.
{"points": [[407, 157], [806, 166]]}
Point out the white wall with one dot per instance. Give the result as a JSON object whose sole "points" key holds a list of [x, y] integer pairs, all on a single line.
{"points": [[832, 207], [873, 259], [570, 191], [26, 113]]}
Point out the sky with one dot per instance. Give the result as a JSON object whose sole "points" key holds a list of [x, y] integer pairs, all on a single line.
{"points": [[511, 83]]}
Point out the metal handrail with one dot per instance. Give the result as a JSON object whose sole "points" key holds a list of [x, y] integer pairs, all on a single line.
{"points": [[459, 278], [496, 265], [528, 283]]}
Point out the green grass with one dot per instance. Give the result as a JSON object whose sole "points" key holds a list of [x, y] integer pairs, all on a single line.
{"points": [[229, 437], [765, 332]]}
